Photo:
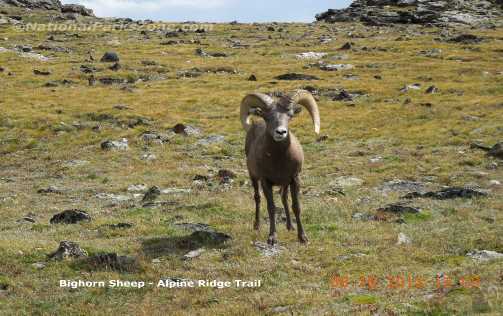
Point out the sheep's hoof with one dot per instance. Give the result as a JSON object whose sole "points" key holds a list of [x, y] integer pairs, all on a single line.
{"points": [[303, 239], [290, 227], [272, 240], [256, 226]]}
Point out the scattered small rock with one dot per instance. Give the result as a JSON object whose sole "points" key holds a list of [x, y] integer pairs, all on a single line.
{"points": [[115, 145], [202, 53], [120, 226], [432, 90], [195, 226], [110, 57], [115, 67], [296, 76], [30, 218], [211, 140], [70, 217], [484, 255], [191, 73], [496, 151], [42, 72], [56, 83], [401, 186], [322, 138], [151, 137], [466, 39], [343, 96], [448, 193], [148, 157], [87, 69], [110, 81], [400, 209], [121, 107], [415, 86], [186, 130], [403, 239], [280, 309], [137, 188], [324, 39], [310, 55], [175, 191], [433, 53], [336, 67], [115, 198], [149, 63], [39, 265], [152, 194], [193, 254], [346, 182], [494, 183], [50, 189], [67, 250], [36, 56], [112, 261], [268, 250], [226, 176], [209, 237], [155, 204], [346, 46], [75, 163]]}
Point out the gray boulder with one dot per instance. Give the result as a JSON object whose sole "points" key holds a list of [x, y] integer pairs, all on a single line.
{"points": [[77, 8], [34, 4], [443, 13]]}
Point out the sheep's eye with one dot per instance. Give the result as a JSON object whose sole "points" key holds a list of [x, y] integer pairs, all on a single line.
{"points": [[297, 110], [256, 111]]}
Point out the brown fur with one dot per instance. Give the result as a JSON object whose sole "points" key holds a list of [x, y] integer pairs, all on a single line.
{"points": [[273, 163]]}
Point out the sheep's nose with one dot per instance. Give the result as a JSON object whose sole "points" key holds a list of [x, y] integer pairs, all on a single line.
{"points": [[281, 131]]}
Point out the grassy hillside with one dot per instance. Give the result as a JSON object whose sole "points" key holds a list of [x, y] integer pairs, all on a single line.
{"points": [[50, 135]]}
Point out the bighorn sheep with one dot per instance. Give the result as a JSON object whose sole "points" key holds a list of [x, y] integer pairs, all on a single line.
{"points": [[274, 155]]}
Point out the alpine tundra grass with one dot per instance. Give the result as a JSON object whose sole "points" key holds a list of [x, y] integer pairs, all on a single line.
{"points": [[51, 136]]}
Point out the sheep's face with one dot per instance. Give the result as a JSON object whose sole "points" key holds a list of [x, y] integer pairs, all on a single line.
{"points": [[277, 119]]}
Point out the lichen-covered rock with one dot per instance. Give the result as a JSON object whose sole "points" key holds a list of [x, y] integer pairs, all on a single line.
{"points": [[384, 12], [34, 4], [70, 217], [496, 151], [77, 8], [66, 250], [54, 5], [111, 262]]}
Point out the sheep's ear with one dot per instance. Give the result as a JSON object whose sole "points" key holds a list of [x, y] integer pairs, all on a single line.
{"points": [[297, 109], [256, 111]]}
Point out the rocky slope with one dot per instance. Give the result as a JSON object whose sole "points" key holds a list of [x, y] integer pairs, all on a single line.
{"points": [[54, 5], [383, 12]]}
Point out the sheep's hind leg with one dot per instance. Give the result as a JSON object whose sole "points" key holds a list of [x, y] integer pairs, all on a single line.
{"points": [[267, 188], [256, 196], [284, 199], [295, 189]]}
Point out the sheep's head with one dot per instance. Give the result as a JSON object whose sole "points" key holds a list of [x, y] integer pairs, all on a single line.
{"points": [[278, 113]]}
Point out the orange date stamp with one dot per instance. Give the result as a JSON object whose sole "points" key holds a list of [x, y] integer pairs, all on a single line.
{"points": [[403, 282]]}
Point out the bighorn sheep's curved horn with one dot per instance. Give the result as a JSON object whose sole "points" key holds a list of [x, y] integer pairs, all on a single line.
{"points": [[254, 100], [306, 99]]}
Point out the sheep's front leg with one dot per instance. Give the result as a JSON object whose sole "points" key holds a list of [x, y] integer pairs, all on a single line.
{"points": [[256, 196], [284, 199], [267, 188], [295, 189]]}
